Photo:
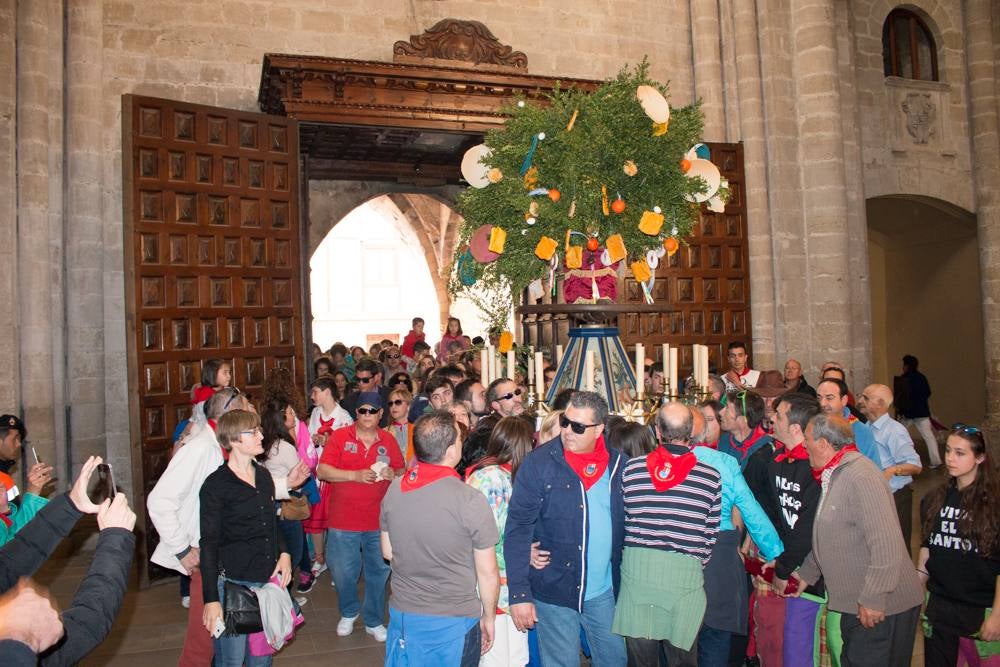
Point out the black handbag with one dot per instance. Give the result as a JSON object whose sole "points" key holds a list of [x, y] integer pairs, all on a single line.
{"points": [[240, 609]]}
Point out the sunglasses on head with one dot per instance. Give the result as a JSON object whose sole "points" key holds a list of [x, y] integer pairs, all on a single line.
{"points": [[368, 411], [236, 392], [397, 401], [577, 427], [510, 395], [965, 428]]}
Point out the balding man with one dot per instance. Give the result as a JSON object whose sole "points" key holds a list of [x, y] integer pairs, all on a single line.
{"points": [[795, 382], [899, 459]]}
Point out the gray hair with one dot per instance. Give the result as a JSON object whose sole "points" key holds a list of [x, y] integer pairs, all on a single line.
{"points": [[674, 429], [832, 428], [222, 401], [592, 400]]}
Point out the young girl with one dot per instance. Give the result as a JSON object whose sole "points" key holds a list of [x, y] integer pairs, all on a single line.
{"points": [[960, 558], [452, 334]]}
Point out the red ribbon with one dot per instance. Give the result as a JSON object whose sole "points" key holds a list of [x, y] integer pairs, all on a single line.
{"points": [[667, 470], [832, 463], [421, 474]]}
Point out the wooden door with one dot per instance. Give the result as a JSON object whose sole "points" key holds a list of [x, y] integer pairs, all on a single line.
{"points": [[704, 289], [212, 263]]}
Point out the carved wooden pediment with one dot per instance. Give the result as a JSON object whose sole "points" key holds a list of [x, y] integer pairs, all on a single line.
{"points": [[465, 41]]}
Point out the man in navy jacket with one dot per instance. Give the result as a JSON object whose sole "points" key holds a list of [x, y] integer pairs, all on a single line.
{"points": [[568, 497]]}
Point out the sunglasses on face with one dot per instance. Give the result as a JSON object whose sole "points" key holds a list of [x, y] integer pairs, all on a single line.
{"points": [[397, 401], [578, 428], [393, 356], [510, 395], [368, 378], [368, 411]]}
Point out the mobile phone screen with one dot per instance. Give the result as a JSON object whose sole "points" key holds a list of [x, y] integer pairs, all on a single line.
{"points": [[105, 485]]}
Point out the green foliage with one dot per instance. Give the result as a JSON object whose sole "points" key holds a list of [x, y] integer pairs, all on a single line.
{"points": [[610, 129]]}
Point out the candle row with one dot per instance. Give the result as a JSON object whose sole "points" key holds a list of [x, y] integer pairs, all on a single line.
{"points": [[489, 361]]}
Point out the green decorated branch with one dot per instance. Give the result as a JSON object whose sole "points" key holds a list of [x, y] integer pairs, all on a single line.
{"points": [[579, 184]]}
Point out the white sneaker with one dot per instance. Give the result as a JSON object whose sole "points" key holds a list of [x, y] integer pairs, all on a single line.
{"points": [[186, 601], [301, 601], [378, 632], [318, 569], [346, 625]]}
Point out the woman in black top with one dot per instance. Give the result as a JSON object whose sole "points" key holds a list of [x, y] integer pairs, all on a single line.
{"points": [[239, 535], [960, 558]]}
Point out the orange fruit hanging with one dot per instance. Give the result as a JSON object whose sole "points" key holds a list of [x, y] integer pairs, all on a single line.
{"points": [[685, 165], [671, 245], [593, 244], [554, 195], [618, 206]]}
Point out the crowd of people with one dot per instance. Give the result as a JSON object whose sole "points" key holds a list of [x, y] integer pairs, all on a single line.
{"points": [[769, 524]]}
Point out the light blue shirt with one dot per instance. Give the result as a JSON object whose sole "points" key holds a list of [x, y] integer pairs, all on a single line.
{"points": [[895, 447], [864, 438], [736, 492], [599, 537]]}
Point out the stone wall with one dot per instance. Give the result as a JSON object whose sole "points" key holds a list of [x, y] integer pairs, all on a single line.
{"points": [[798, 81]]}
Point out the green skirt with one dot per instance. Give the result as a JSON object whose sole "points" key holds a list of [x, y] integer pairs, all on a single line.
{"points": [[662, 596]]}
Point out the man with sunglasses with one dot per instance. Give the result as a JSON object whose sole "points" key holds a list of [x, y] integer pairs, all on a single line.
{"points": [[349, 463], [567, 496], [392, 361], [368, 377], [174, 508], [504, 399]]}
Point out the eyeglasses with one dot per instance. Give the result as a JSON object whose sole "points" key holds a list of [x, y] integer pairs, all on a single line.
{"points": [[393, 356], [965, 428], [368, 411], [256, 431], [364, 379], [397, 401], [236, 392], [510, 395], [577, 427]]}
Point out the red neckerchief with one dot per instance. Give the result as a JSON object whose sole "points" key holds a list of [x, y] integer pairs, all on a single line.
{"points": [[325, 425], [751, 440], [589, 467], [6, 520], [783, 453], [851, 419], [667, 470], [832, 463], [746, 371], [422, 474], [711, 445], [202, 394]]}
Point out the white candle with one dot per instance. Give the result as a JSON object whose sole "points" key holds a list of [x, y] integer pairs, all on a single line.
{"points": [[665, 350], [484, 366], [588, 371], [640, 370], [491, 361], [530, 375], [703, 381], [673, 370], [539, 375], [559, 354], [511, 364]]}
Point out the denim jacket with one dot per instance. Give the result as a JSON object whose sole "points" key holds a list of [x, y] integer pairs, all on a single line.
{"points": [[549, 505]]}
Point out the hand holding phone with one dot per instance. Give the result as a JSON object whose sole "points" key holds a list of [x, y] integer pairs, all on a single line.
{"points": [[219, 628]]}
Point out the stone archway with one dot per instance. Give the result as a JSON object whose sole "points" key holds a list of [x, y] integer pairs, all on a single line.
{"points": [[926, 299]]}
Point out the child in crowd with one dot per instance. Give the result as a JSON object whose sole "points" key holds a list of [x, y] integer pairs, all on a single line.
{"points": [[415, 336]]}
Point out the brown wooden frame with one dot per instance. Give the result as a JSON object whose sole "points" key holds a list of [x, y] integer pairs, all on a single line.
{"points": [[917, 27]]}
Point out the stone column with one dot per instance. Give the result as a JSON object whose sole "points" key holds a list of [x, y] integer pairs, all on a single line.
{"points": [[821, 179], [39, 225], [760, 233], [705, 42], [985, 130], [9, 376]]}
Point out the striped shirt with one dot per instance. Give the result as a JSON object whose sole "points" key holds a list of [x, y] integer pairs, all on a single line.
{"points": [[684, 519]]}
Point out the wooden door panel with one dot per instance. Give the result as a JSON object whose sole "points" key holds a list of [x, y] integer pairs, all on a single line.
{"points": [[212, 254]]}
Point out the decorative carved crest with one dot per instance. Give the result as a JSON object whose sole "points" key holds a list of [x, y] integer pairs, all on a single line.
{"points": [[466, 41], [920, 112]]}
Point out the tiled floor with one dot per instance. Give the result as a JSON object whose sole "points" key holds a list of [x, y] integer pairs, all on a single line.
{"points": [[150, 628]]}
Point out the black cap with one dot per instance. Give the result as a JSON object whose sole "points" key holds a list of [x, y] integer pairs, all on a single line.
{"points": [[8, 422]]}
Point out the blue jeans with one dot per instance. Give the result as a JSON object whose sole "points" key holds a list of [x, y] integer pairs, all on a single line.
{"points": [[345, 552], [291, 532], [234, 651], [559, 633], [713, 646]]}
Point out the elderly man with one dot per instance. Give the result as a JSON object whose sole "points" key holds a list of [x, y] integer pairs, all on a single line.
{"points": [[898, 459], [725, 581], [858, 550], [438, 535], [672, 506], [832, 394], [349, 464], [740, 375], [795, 382], [568, 497], [503, 399]]}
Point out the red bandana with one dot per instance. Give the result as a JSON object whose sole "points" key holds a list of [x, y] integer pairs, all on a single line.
{"points": [[851, 419], [589, 467], [832, 463], [7, 520], [422, 474], [783, 453], [325, 426], [667, 470], [751, 440], [202, 394]]}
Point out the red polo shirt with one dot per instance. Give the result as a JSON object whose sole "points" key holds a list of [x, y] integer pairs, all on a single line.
{"points": [[355, 505]]}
